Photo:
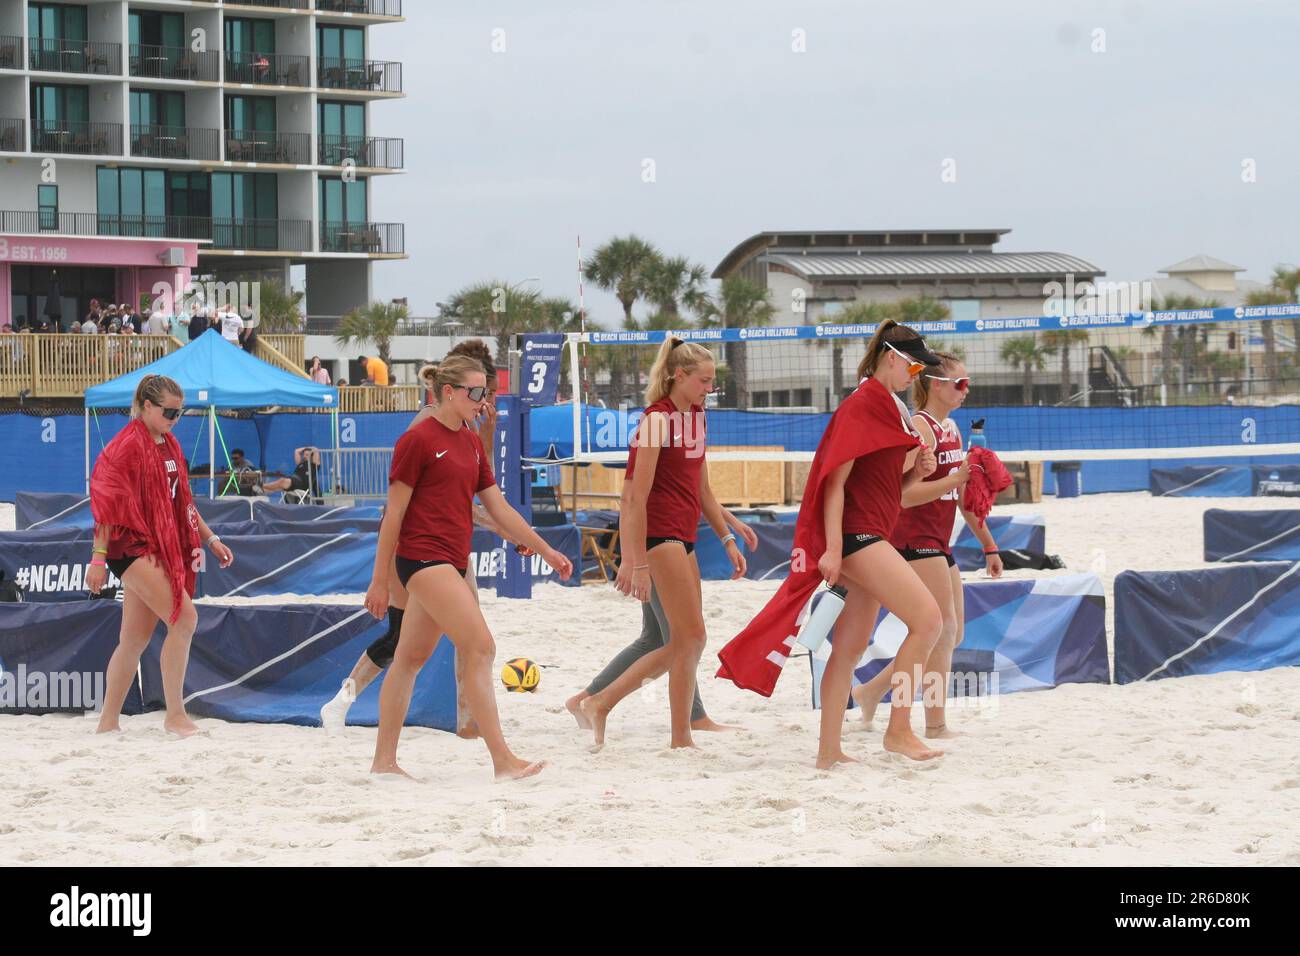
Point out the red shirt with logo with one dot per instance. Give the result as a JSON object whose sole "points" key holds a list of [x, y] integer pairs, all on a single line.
{"points": [[673, 508], [929, 525], [445, 469], [873, 492]]}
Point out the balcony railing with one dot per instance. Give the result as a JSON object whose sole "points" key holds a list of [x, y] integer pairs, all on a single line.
{"points": [[335, 150], [262, 146], [282, 4], [64, 366], [10, 52], [13, 135], [370, 76], [384, 238], [289, 235], [74, 56], [268, 69], [82, 139], [175, 142], [380, 398], [377, 8], [174, 63]]}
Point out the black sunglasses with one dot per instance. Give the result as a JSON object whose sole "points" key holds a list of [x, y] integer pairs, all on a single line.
{"points": [[171, 414], [474, 393]]}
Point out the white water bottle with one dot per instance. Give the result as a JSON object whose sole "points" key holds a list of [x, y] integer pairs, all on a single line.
{"points": [[818, 626]]}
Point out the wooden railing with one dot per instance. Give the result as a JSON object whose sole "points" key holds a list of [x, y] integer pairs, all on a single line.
{"points": [[290, 345], [64, 366], [271, 355], [376, 398]]}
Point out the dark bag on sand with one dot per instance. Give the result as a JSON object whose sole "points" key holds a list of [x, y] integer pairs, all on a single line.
{"points": [[10, 593], [1016, 560]]}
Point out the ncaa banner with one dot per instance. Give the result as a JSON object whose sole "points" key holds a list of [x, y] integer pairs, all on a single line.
{"points": [[539, 367]]}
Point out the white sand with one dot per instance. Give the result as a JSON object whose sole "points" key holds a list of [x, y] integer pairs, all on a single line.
{"points": [[1201, 770]]}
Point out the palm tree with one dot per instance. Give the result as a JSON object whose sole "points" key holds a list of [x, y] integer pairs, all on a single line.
{"points": [[277, 310], [1288, 280], [620, 266], [1063, 340], [1185, 336], [1023, 351], [740, 304], [500, 310], [1269, 296], [376, 322], [672, 283]]}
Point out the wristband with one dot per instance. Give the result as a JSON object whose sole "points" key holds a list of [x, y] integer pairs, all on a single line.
{"points": [[212, 537], [994, 551], [103, 551], [729, 537], [641, 567], [98, 563]]}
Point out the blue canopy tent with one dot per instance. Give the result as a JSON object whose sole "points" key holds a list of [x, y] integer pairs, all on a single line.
{"points": [[216, 374]]}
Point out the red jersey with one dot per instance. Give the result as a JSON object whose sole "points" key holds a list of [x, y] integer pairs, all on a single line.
{"points": [[873, 492], [446, 469], [929, 525], [673, 508], [126, 543]]}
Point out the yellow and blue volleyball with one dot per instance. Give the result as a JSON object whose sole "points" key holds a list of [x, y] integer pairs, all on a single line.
{"points": [[521, 675]]}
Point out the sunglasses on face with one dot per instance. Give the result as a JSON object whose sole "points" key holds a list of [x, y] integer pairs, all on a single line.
{"points": [[914, 368], [474, 393], [961, 384], [171, 414]]}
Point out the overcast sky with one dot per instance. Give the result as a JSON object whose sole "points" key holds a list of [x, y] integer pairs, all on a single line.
{"points": [[1131, 158]]}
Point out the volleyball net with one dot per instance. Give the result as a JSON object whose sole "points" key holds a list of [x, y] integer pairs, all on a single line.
{"points": [[1187, 384]]}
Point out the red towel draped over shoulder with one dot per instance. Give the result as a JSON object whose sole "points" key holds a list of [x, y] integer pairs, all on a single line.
{"points": [[129, 489], [869, 420]]}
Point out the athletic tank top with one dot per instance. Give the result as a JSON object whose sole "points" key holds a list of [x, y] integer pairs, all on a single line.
{"points": [[673, 508], [930, 525], [873, 490]]}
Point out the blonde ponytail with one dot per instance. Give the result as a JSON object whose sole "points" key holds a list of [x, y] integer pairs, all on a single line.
{"points": [[674, 354]]}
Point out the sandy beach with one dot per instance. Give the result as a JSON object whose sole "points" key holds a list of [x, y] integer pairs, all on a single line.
{"points": [[1202, 770]]}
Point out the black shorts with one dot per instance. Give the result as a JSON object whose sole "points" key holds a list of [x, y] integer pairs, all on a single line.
{"points": [[297, 482], [406, 567], [920, 554], [856, 542], [119, 565], [655, 542]]}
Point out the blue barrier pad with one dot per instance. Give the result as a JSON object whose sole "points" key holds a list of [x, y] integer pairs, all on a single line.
{"points": [[1252, 535], [1203, 481], [1033, 634], [1240, 617]]}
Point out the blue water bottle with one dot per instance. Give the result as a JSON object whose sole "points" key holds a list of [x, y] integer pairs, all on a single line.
{"points": [[817, 628], [976, 434]]}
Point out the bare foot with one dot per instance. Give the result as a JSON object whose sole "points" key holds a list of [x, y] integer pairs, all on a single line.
{"points": [[389, 767], [868, 708], [827, 762], [517, 769], [909, 745], [180, 726], [108, 728], [574, 706], [469, 731], [684, 744], [596, 716], [942, 732], [711, 725]]}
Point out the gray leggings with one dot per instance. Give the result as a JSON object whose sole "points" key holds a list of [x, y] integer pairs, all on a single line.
{"points": [[654, 635]]}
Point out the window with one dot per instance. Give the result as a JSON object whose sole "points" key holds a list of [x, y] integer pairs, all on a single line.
{"points": [[780, 398], [758, 399], [244, 36], [47, 204], [156, 108], [341, 202], [245, 210], [803, 396], [250, 114], [55, 106], [131, 202], [53, 28], [341, 43], [152, 29]]}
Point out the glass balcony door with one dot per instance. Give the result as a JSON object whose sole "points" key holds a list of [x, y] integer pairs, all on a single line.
{"points": [[56, 33]]}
